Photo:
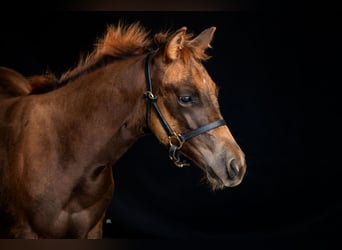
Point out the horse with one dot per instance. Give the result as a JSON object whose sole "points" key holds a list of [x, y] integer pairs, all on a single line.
{"points": [[61, 136]]}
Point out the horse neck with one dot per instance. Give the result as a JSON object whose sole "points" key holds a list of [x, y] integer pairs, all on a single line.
{"points": [[107, 107]]}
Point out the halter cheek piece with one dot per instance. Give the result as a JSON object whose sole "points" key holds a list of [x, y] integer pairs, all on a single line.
{"points": [[176, 140]]}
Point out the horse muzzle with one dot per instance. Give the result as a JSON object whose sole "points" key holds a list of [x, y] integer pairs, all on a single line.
{"points": [[228, 174]]}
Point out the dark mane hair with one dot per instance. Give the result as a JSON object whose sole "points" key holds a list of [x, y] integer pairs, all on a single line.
{"points": [[119, 41]]}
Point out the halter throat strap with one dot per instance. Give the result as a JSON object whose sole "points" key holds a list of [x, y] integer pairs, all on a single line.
{"points": [[176, 140]]}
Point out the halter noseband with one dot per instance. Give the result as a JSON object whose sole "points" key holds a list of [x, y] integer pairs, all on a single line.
{"points": [[176, 140]]}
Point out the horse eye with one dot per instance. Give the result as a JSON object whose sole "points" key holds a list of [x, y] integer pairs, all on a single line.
{"points": [[185, 99]]}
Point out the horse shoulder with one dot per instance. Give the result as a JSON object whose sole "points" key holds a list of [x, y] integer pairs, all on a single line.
{"points": [[13, 84]]}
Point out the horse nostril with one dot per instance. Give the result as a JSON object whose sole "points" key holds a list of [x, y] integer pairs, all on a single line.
{"points": [[232, 169]]}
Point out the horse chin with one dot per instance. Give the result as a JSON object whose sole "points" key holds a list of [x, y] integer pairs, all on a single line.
{"points": [[218, 183], [215, 182]]}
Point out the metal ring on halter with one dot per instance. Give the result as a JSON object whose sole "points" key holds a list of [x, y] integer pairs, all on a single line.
{"points": [[150, 95], [176, 138], [174, 156]]}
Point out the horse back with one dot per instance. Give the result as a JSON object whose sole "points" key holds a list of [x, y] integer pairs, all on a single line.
{"points": [[13, 84]]}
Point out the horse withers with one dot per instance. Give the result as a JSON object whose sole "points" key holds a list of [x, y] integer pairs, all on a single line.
{"points": [[60, 136]]}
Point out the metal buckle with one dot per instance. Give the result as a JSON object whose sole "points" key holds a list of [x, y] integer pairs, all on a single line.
{"points": [[175, 138]]}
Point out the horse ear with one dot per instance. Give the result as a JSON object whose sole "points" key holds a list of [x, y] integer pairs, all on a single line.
{"points": [[203, 40], [175, 44]]}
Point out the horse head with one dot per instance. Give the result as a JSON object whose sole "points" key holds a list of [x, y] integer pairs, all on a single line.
{"points": [[187, 115]]}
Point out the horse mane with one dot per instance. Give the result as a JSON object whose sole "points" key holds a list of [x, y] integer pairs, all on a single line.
{"points": [[118, 42]]}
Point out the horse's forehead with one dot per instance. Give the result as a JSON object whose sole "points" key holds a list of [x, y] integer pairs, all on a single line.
{"points": [[180, 72]]}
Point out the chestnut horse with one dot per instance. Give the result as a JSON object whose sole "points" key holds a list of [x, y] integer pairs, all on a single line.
{"points": [[60, 136]]}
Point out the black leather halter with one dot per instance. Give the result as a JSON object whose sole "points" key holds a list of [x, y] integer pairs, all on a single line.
{"points": [[176, 140]]}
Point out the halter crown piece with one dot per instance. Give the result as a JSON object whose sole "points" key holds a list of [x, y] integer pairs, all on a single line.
{"points": [[176, 140]]}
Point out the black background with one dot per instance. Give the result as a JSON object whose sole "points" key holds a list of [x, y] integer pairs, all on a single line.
{"points": [[278, 75]]}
